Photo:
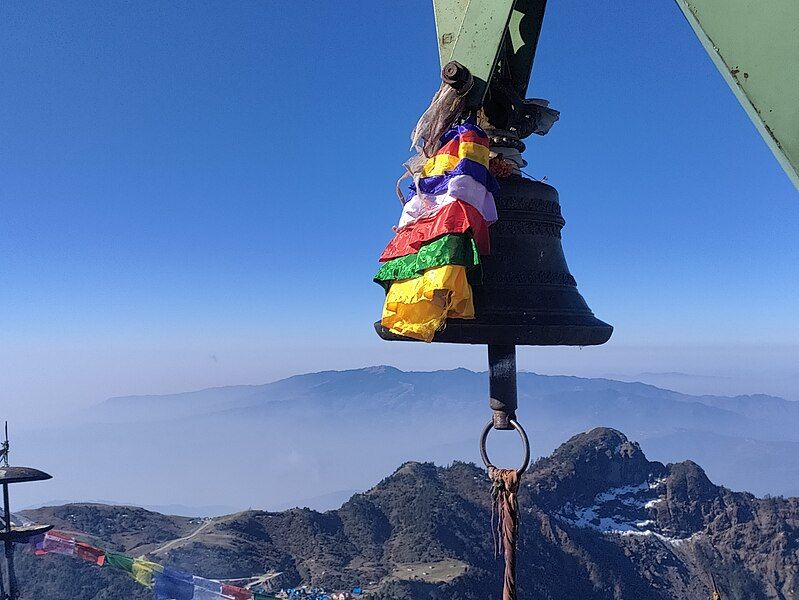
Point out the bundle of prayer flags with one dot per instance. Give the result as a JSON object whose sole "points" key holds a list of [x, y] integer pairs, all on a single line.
{"points": [[166, 583], [434, 257]]}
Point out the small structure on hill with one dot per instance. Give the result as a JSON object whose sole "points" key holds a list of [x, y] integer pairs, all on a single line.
{"points": [[716, 593], [14, 533]]}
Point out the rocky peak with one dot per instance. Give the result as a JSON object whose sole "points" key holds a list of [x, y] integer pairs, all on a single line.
{"points": [[688, 500], [590, 464], [600, 480], [687, 482]]}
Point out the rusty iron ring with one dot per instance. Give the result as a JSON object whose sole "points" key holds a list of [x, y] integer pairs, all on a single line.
{"points": [[522, 434]]}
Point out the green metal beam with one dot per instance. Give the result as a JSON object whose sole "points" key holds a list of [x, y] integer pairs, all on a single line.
{"points": [[471, 32], [524, 30], [449, 15], [755, 45]]}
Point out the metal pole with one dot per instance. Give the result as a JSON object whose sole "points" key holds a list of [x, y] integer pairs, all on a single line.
{"points": [[13, 592], [502, 384], [2, 585]]}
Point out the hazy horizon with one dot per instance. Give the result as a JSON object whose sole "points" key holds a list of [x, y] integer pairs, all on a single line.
{"points": [[733, 372]]}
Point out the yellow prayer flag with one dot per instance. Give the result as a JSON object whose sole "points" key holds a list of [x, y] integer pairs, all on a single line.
{"points": [[419, 307]]}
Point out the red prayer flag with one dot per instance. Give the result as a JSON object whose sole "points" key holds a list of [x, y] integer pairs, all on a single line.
{"points": [[89, 553], [231, 591], [454, 217]]}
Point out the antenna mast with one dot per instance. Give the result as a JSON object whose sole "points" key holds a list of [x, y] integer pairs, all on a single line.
{"points": [[10, 533], [4, 449]]}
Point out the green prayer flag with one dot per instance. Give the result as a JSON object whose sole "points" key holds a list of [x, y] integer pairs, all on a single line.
{"points": [[120, 561], [453, 249]]}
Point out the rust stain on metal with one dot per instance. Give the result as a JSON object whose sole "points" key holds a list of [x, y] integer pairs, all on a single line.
{"points": [[771, 133]]}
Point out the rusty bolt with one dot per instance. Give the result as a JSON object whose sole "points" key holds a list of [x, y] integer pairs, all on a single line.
{"points": [[457, 76]]}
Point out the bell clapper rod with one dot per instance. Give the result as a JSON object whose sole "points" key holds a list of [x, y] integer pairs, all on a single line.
{"points": [[502, 384], [503, 399]]}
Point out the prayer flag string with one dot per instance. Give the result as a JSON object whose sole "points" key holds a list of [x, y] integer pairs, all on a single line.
{"points": [[166, 583]]}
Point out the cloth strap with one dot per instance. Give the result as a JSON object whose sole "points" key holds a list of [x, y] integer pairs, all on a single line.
{"points": [[505, 494]]}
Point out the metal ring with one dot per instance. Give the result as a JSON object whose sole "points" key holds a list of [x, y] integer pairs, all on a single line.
{"points": [[522, 434]]}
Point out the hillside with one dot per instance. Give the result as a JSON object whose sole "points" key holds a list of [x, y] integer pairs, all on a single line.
{"points": [[600, 521]]}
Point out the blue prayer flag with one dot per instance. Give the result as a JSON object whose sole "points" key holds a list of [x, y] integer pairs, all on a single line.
{"points": [[173, 585]]}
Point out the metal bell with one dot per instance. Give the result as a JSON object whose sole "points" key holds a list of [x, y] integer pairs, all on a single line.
{"points": [[527, 296]]}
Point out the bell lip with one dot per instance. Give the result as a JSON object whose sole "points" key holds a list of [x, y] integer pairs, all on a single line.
{"points": [[460, 331]]}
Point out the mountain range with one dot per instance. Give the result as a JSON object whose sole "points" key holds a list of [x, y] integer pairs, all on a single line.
{"points": [[599, 521], [310, 440]]}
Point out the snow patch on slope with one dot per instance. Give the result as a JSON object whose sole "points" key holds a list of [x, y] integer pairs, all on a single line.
{"points": [[622, 510]]}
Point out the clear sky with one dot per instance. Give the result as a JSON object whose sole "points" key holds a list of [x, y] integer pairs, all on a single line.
{"points": [[196, 193]]}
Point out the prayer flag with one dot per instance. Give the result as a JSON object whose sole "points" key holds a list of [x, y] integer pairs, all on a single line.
{"points": [[459, 188], [37, 543], [206, 589], [144, 570], [56, 543], [173, 585], [89, 553], [453, 218], [237, 593], [417, 308], [120, 561], [438, 184], [457, 249], [448, 157]]}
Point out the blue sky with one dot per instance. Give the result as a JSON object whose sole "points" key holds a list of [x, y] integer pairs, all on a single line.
{"points": [[195, 194]]}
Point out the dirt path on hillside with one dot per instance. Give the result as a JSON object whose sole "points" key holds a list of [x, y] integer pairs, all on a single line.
{"points": [[180, 540]]}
